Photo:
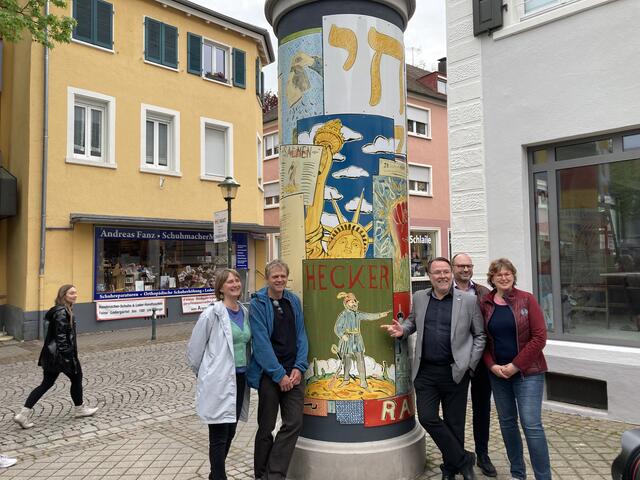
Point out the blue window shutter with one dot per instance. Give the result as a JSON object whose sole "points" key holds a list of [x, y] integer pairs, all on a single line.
{"points": [[194, 54], [83, 14], [239, 68], [170, 46], [152, 39], [257, 76], [104, 24]]}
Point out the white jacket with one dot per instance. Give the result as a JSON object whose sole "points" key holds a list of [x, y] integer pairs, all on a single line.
{"points": [[210, 356]]}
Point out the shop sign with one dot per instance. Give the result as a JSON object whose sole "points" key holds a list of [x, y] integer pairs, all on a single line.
{"points": [[144, 234], [242, 250], [197, 303], [423, 239], [388, 410], [220, 220], [123, 309]]}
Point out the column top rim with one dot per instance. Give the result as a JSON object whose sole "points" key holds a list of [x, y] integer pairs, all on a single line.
{"points": [[274, 10]]}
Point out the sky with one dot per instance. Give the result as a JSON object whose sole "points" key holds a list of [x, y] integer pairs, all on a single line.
{"points": [[424, 38]]}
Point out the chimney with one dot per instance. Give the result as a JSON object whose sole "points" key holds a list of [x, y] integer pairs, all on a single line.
{"points": [[442, 65]]}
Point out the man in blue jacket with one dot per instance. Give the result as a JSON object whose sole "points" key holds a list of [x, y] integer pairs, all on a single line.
{"points": [[276, 370]]}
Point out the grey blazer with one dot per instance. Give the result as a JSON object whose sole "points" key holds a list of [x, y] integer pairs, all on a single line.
{"points": [[467, 331]]}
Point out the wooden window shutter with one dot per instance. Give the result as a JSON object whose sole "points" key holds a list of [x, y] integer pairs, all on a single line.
{"points": [[261, 85], [170, 46], [152, 40], [104, 24], [239, 68], [83, 14], [487, 16], [194, 54]]}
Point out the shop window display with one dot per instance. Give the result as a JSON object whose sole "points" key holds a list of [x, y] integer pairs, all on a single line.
{"points": [[137, 262], [423, 249]]}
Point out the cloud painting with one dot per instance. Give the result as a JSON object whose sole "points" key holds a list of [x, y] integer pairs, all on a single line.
{"points": [[332, 193], [350, 172], [380, 145], [352, 205]]}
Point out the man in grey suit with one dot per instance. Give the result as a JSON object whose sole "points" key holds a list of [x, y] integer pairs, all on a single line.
{"points": [[448, 347]]}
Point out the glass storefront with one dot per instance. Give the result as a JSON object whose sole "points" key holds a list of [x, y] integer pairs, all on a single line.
{"points": [[587, 216], [424, 247], [133, 262]]}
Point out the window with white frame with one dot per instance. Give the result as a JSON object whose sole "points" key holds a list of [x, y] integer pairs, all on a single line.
{"points": [[160, 129], [215, 61], [260, 161], [442, 86], [271, 145], [216, 149], [272, 194], [420, 180], [91, 128], [533, 5], [418, 121]]}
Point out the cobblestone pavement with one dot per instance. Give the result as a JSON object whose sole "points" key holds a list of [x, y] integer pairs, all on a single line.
{"points": [[146, 427]]}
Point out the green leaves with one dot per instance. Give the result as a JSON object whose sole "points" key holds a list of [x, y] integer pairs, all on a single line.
{"points": [[16, 18]]}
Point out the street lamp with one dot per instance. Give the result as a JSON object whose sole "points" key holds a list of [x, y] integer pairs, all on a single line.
{"points": [[229, 188]]}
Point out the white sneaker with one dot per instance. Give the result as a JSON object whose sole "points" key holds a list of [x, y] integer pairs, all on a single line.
{"points": [[6, 462], [84, 411], [22, 418]]}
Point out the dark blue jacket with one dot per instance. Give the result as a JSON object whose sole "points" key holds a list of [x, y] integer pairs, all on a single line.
{"points": [[264, 359]]}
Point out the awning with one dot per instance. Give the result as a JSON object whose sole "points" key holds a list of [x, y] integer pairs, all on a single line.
{"points": [[165, 223]]}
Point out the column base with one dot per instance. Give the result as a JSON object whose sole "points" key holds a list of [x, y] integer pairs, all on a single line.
{"points": [[399, 458]]}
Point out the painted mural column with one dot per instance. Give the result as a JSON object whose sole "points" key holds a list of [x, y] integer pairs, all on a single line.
{"points": [[344, 230]]}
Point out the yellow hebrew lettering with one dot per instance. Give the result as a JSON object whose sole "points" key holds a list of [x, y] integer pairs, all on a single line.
{"points": [[398, 133], [344, 38], [384, 45]]}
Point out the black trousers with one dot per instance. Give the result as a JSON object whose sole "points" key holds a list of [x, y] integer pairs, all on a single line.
{"points": [[49, 379], [481, 404], [271, 457], [221, 435], [434, 385]]}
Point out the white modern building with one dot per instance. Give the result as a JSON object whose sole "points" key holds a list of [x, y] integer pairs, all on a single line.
{"points": [[544, 159]]}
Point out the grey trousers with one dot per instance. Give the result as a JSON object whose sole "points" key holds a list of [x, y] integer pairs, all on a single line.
{"points": [[271, 457]]}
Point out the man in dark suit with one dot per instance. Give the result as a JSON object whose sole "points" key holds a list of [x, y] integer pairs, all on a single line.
{"points": [[449, 345], [480, 386]]}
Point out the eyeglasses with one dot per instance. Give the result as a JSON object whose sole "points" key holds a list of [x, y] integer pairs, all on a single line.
{"points": [[439, 273], [277, 306], [503, 275], [463, 267]]}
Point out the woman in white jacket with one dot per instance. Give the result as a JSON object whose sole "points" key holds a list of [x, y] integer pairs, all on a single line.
{"points": [[218, 353]]}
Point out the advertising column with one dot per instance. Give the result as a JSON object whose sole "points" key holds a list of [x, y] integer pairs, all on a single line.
{"points": [[344, 231]]}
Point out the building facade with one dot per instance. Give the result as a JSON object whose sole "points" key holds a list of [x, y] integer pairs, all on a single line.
{"points": [[544, 166], [119, 141], [427, 170]]}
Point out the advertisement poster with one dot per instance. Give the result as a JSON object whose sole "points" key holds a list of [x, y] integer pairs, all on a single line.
{"points": [[123, 309], [338, 222], [364, 69], [345, 302], [196, 303]]}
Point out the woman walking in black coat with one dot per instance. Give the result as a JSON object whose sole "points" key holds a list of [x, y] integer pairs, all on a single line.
{"points": [[59, 355]]}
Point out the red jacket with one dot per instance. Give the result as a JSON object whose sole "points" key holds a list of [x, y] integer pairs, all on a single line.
{"points": [[531, 331]]}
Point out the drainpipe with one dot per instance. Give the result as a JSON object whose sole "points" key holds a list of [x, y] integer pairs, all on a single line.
{"points": [[43, 206]]}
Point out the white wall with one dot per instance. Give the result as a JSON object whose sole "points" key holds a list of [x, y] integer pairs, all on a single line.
{"points": [[576, 76]]}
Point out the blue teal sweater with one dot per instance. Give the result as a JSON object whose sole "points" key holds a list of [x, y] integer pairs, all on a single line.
{"points": [[263, 359]]}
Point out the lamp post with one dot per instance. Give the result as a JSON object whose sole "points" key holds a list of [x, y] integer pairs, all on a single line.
{"points": [[229, 188]]}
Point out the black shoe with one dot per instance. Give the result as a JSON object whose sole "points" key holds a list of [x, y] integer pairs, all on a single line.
{"points": [[467, 472], [486, 466], [447, 475]]}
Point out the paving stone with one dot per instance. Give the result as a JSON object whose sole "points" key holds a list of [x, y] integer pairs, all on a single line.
{"points": [[146, 427]]}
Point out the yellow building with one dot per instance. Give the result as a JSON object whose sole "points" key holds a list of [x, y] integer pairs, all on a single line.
{"points": [[147, 110]]}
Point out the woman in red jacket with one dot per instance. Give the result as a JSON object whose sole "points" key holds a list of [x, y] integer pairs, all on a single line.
{"points": [[516, 335]]}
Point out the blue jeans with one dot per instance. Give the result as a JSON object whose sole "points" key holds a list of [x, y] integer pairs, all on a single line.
{"points": [[522, 396]]}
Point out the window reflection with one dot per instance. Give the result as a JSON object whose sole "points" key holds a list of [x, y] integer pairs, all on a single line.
{"points": [[599, 232], [543, 247]]}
